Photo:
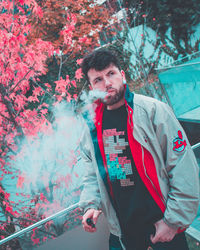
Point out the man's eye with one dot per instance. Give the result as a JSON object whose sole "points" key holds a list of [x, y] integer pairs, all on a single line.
{"points": [[97, 80], [111, 73]]}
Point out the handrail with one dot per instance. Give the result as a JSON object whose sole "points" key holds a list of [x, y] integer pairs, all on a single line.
{"points": [[181, 59], [195, 146], [37, 224], [177, 66]]}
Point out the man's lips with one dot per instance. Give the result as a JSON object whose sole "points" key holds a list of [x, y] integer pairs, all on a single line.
{"points": [[110, 91]]}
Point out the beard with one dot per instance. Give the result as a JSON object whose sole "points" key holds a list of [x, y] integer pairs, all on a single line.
{"points": [[114, 98]]}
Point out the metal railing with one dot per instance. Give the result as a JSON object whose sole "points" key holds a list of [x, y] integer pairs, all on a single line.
{"points": [[39, 223], [179, 61], [177, 66], [196, 146]]}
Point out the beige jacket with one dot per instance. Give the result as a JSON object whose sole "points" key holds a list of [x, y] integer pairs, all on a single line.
{"points": [[158, 132]]}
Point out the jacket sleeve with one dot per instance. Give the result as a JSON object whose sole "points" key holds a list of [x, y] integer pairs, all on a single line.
{"points": [[181, 166], [90, 195]]}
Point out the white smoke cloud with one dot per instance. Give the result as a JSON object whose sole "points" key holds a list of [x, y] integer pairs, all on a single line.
{"points": [[88, 101], [51, 164]]}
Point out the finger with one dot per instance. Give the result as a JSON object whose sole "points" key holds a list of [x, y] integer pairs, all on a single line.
{"points": [[95, 216], [166, 238], [169, 238], [87, 215], [88, 228], [156, 225], [154, 238], [85, 224]]}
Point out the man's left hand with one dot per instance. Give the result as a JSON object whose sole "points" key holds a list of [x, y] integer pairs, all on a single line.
{"points": [[163, 232]]}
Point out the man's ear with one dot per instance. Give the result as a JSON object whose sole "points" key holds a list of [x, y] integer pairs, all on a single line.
{"points": [[123, 75], [90, 87]]}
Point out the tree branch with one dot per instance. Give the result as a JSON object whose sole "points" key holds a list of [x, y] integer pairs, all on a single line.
{"points": [[23, 78], [5, 117], [10, 108]]}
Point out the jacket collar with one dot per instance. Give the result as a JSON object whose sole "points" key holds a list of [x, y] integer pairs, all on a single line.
{"points": [[129, 96]]}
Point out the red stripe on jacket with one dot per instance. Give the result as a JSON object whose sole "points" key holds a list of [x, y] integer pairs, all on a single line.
{"points": [[98, 123]]}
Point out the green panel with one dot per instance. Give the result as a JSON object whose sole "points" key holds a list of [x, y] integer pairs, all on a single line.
{"points": [[182, 85]]}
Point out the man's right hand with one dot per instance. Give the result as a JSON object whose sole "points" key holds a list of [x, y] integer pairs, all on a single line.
{"points": [[92, 214]]}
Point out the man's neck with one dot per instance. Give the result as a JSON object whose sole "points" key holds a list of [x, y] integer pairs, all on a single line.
{"points": [[116, 105]]}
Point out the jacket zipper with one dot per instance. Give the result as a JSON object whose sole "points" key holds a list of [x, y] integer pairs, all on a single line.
{"points": [[162, 198]]}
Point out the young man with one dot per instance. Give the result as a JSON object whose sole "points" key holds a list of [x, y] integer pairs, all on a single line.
{"points": [[140, 169]]}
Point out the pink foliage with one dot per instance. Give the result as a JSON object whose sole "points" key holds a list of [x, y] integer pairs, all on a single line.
{"points": [[23, 111], [79, 61], [61, 85], [36, 241], [20, 182], [79, 74]]}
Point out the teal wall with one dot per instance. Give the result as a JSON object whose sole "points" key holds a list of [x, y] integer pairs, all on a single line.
{"points": [[182, 85]]}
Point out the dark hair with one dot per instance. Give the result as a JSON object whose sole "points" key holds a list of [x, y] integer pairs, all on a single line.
{"points": [[99, 60]]}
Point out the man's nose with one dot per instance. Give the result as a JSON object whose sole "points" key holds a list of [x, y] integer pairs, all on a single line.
{"points": [[107, 82]]}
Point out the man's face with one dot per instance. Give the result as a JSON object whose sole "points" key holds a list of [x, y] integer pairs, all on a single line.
{"points": [[109, 80]]}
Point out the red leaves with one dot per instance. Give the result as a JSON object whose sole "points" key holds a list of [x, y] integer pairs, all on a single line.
{"points": [[43, 198], [9, 209], [21, 2], [61, 85], [48, 86], [69, 97], [37, 11], [23, 111], [67, 34], [44, 111], [36, 241], [85, 40], [36, 93], [79, 74], [75, 96], [44, 238], [6, 196], [20, 182], [73, 83], [20, 101], [79, 61]]}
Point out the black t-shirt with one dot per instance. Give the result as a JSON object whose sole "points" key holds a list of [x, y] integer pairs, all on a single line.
{"points": [[134, 205]]}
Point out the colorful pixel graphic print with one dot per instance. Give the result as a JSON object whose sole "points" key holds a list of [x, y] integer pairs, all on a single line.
{"points": [[118, 165]]}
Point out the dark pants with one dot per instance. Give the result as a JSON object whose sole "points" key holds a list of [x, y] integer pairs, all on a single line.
{"points": [[179, 242]]}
